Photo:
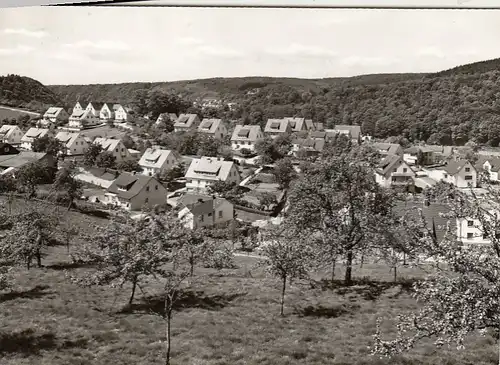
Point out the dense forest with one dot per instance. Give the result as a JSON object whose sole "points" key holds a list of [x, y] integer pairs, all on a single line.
{"points": [[449, 107], [24, 92]]}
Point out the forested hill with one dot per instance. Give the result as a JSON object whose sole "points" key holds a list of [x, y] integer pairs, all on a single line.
{"points": [[24, 92]]}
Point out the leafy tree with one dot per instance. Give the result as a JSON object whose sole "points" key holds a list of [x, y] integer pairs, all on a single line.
{"points": [[128, 142], [31, 233], [284, 172], [338, 200], [106, 160], [128, 250], [160, 102], [65, 182], [267, 200], [48, 144], [33, 174], [129, 166], [91, 154], [140, 101], [286, 257], [208, 146]]}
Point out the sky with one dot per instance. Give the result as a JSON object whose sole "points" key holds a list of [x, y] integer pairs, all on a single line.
{"points": [[71, 45]]}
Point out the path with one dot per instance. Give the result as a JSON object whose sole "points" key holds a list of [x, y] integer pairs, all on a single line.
{"points": [[260, 257], [248, 178], [18, 110]]}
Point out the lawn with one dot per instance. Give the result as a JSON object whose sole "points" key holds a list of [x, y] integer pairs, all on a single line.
{"points": [[104, 132], [229, 317], [7, 113]]}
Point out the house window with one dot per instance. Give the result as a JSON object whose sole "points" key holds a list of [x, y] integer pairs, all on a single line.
{"points": [[467, 169], [146, 200], [220, 213], [116, 150], [405, 170], [201, 218], [147, 188], [445, 176], [123, 149], [470, 223], [470, 236], [209, 214], [156, 187]]}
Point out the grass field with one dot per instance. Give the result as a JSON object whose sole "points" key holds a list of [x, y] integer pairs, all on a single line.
{"points": [[104, 131], [226, 318]]}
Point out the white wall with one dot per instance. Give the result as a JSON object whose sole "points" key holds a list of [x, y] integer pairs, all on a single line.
{"points": [[237, 145], [154, 193], [469, 231]]}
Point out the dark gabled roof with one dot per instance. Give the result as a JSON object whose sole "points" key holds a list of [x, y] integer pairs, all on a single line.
{"points": [[133, 185], [354, 130], [388, 163], [452, 167]]}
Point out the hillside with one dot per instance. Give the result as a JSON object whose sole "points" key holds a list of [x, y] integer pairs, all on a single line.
{"points": [[24, 92]]}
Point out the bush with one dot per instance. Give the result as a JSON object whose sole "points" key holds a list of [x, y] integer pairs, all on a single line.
{"points": [[221, 258]]}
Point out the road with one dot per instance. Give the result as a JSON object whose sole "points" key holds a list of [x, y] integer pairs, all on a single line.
{"points": [[260, 257], [18, 110]]}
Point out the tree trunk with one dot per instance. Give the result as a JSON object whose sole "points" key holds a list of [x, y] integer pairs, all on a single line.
{"points": [[69, 205], [67, 245], [134, 285], [168, 334], [348, 268], [395, 273], [282, 302], [38, 258], [334, 262], [28, 263]]}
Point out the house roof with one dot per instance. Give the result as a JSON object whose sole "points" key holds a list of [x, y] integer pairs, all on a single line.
{"points": [[128, 185], [388, 163], [443, 150], [7, 129], [295, 123], [33, 133], [103, 173], [318, 126], [107, 144], [155, 157], [185, 120], [493, 160], [21, 159], [432, 215], [453, 167], [52, 112], [67, 138], [245, 133], [163, 116], [310, 144], [389, 148], [98, 105], [209, 125], [209, 168], [276, 125], [79, 114], [354, 130], [201, 204]]}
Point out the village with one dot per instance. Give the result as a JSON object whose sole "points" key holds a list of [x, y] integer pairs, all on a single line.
{"points": [[412, 169]]}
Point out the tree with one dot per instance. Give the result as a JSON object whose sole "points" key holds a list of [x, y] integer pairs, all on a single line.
{"points": [[284, 172], [91, 154], [33, 174], [129, 166], [338, 200], [208, 146], [106, 160], [286, 257], [65, 182], [32, 231], [48, 144], [128, 250], [267, 200], [461, 295], [194, 247]]}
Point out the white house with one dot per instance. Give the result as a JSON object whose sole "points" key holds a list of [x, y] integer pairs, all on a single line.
{"points": [[388, 148], [203, 211], [246, 136], [31, 135], [115, 147], [95, 108], [56, 114], [78, 107], [489, 165], [394, 171], [213, 127], [156, 160], [204, 171], [460, 173], [300, 124], [353, 131], [75, 143], [133, 192], [11, 134], [276, 127], [106, 112], [470, 231], [186, 122], [121, 113], [82, 119]]}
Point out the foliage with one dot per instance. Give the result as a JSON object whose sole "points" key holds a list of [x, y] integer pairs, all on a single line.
{"points": [[129, 166], [48, 144], [91, 154], [32, 231], [271, 150], [129, 250], [106, 160], [219, 257], [267, 200], [284, 172], [159, 102], [33, 174], [65, 182]]}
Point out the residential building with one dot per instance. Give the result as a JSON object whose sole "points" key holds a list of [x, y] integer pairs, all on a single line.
{"points": [[77, 108], [204, 171], [82, 119], [300, 124], [388, 148], [246, 136], [213, 127], [121, 113], [115, 147], [460, 173], [353, 131], [164, 117], [101, 177], [310, 146], [204, 211], [95, 108], [155, 161], [74, 143], [133, 192], [11, 134], [186, 122], [7, 149], [276, 127], [327, 136], [32, 134], [9, 164], [490, 165], [430, 155], [56, 115], [394, 171], [107, 112]]}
